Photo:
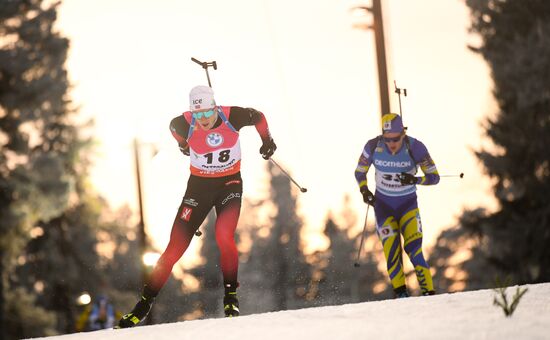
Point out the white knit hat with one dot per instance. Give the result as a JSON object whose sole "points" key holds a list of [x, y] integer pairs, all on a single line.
{"points": [[201, 97]]}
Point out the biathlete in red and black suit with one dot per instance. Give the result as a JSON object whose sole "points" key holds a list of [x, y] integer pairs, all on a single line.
{"points": [[209, 135]]}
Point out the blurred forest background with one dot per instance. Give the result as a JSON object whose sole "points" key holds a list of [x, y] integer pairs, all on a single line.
{"points": [[59, 239]]}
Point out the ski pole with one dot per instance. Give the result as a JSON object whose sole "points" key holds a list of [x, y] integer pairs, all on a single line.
{"points": [[461, 175], [205, 65], [356, 264], [287, 175]]}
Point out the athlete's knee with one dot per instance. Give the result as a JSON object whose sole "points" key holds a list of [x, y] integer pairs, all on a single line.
{"points": [[173, 252], [225, 229], [413, 245], [414, 251], [412, 240], [166, 262], [225, 240]]}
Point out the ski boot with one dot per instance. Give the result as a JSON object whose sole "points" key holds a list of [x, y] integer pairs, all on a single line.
{"points": [[428, 293], [230, 301], [139, 313], [401, 292]]}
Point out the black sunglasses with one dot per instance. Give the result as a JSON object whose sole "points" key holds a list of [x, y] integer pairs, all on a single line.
{"points": [[392, 139]]}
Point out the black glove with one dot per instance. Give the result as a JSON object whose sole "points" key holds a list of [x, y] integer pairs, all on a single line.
{"points": [[368, 197], [268, 148], [407, 179], [184, 149]]}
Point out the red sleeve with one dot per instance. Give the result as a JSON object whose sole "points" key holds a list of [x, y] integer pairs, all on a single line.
{"points": [[262, 127], [240, 117]]}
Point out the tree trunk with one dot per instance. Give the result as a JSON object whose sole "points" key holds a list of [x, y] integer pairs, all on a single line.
{"points": [[2, 301]]}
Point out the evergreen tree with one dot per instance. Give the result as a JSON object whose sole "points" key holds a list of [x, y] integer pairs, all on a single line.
{"points": [[515, 43], [61, 262], [38, 146], [255, 293], [342, 282], [57, 238], [53, 226], [277, 267], [458, 258], [339, 283], [292, 273]]}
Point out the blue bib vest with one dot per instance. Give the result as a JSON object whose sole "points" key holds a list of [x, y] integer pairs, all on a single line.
{"points": [[388, 167]]}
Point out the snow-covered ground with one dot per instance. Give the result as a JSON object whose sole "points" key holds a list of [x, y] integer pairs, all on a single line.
{"points": [[468, 315]]}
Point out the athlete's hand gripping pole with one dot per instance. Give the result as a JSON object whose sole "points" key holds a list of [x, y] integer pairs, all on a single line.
{"points": [[205, 66], [356, 264], [287, 175]]}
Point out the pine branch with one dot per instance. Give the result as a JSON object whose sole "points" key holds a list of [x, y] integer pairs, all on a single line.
{"points": [[501, 299], [519, 294]]}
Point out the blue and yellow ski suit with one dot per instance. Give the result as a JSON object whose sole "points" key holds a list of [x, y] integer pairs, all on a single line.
{"points": [[396, 206]]}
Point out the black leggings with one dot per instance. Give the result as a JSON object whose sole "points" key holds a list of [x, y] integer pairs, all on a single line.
{"points": [[202, 194]]}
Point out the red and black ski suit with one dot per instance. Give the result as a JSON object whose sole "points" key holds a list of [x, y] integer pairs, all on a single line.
{"points": [[215, 181]]}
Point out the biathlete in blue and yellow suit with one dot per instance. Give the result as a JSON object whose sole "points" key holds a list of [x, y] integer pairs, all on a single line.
{"points": [[396, 157]]}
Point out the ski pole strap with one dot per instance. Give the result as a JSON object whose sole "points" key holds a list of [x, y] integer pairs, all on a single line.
{"points": [[191, 128], [225, 120]]}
